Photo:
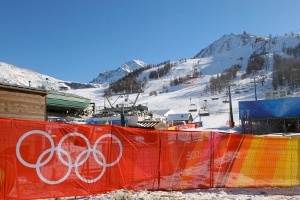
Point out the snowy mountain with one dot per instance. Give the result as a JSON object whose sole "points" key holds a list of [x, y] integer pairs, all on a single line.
{"points": [[223, 53], [228, 43], [20, 76], [220, 55], [14, 75], [237, 49], [110, 76]]}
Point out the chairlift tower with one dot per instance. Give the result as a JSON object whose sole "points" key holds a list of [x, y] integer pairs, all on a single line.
{"points": [[230, 108]]}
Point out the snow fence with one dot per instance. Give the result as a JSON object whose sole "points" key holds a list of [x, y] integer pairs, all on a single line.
{"points": [[50, 160]]}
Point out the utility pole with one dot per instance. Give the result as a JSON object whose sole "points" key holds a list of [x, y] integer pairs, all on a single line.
{"points": [[254, 88], [230, 109]]}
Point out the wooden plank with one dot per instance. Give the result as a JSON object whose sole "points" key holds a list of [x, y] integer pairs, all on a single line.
{"points": [[22, 105], [9, 96]]}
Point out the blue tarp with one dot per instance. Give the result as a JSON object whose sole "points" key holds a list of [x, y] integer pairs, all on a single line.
{"points": [[271, 108]]}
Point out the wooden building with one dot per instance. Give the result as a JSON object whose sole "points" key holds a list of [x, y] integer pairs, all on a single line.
{"points": [[30, 103], [22, 102]]}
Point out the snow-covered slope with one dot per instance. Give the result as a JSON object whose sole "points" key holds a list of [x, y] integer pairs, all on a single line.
{"points": [[228, 43], [222, 54], [20, 76], [237, 49]]}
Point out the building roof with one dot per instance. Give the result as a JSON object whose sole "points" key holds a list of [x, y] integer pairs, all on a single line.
{"points": [[179, 117], [270, 108], [19, 88], [67, 100], [162, 112]]}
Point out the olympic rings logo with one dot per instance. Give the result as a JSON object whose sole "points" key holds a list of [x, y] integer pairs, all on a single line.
{"points": [[79, 161]]}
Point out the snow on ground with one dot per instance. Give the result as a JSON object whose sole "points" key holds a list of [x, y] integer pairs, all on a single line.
{"points": [[291, 193]]}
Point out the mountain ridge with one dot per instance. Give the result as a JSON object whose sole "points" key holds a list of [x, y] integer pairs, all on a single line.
{"points": [[160, 94], [223, 53], [109, 76]]}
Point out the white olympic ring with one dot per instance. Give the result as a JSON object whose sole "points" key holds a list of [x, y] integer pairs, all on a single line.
{"points": [[78, 161]]}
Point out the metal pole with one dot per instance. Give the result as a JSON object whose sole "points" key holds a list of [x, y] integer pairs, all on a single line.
{"points": [[255, 90], [230, 109]]}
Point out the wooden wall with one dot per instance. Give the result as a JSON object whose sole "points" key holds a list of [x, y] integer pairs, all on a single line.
{"points": [[22, 103]]}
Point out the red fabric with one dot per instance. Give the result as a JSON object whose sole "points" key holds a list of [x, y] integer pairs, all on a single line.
{"points": [[50, 160]]}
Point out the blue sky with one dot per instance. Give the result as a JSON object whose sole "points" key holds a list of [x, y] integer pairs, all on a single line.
{"points": [[75, 40]]}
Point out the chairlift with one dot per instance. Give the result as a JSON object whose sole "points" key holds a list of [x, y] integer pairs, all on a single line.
{"points": [[192, 108]]}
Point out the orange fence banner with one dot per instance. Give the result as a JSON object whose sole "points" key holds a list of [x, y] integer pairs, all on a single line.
{"points": [[50, 160], [185, 160]]}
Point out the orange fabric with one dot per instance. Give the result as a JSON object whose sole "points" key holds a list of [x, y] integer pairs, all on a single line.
{"points": [[50, 160]]}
